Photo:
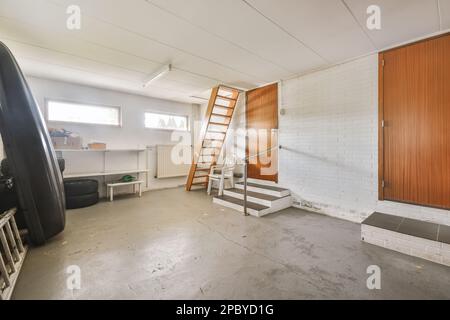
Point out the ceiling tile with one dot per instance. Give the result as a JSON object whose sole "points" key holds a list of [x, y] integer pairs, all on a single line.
{"points": [[47, 64], [244, 27], [324, 25], [67, 74], [401, 20], [151, 22], [104, 42], [42, 37], [445, 13]]}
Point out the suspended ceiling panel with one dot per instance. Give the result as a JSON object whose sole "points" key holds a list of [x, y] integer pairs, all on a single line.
{"points": [[401, 20], [325, 26], [444, 6], [243, 43]]}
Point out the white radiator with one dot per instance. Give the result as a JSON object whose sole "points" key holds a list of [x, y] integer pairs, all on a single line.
{"points": [[173, 160]]}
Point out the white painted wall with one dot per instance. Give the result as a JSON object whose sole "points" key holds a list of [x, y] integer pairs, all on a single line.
{"points": [[329, 139], [132, 134]]}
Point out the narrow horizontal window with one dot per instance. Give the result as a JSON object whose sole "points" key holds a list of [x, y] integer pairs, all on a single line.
{"points": [[82, 113], [166, 121]]}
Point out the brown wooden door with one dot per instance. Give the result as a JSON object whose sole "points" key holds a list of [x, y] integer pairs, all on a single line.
{"points": [[262, 126], [415, 140]]}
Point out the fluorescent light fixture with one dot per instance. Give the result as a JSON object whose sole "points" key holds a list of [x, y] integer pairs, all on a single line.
{"points": [[197, 97], [157, 74]]}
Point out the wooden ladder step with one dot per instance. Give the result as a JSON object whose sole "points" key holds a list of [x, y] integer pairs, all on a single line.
{"points": [[210, 154], [226, 98], [228, 88], [219, 146], [210, 148], [212, 140], [223, 107], [220, 115], [219, 124], [204, 148], [199, 183]]}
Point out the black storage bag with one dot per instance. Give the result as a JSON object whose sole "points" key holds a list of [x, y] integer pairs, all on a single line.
{"points": [[32, 160]]}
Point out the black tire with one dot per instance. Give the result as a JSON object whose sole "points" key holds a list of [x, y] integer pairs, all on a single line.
{"points": [[82, 201], [80, 187]]}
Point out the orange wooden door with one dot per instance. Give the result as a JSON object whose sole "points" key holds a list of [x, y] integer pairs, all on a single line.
{"points": [[415, 139], [262, 126]]}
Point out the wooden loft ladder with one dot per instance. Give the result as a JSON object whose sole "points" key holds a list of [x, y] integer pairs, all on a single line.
{"points": [[212, 135]]}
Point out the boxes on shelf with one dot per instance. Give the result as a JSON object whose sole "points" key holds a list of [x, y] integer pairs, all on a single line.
{"points": [[97, 145], [67, 142], [63, 139]]}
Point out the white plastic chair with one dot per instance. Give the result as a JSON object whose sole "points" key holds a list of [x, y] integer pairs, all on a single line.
{"points": [[226, 172]]}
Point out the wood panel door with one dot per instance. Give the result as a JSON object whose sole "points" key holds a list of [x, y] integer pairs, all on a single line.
{"points": [[415, 123], [262, 128]]}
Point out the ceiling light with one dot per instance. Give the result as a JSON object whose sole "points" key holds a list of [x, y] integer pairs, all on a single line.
{"points": [[157, 74], [197, 97]]}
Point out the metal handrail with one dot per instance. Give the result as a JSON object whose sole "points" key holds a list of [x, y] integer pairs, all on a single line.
{"points": [[259, 153], [245, 159]]}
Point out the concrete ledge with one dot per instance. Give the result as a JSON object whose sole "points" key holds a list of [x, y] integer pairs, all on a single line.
{"points": [[431, 250]]}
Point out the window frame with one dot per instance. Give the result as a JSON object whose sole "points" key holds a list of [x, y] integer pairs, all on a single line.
{"points": [[47, 100], [188, 124]]}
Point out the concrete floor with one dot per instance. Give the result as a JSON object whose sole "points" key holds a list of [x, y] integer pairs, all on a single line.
{"points": [[171, 244]]}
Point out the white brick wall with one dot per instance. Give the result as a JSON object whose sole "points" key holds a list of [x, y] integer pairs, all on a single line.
{"points": [[329, 137], [418, 247]]}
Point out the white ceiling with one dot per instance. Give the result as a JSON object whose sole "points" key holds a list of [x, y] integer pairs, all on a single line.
{"points": [[243, 43]]}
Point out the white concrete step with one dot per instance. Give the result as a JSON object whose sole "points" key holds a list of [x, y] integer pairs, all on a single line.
{"points": [[253, 209], [272, 190], [260, 198], [263, 182]]}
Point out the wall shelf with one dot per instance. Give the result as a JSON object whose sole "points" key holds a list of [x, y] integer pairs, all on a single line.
{"points": [[102, 174], [105, 168], [95, 150]]}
